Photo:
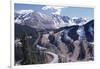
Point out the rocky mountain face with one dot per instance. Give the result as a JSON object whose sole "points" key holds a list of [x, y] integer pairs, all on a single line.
{"points": [[70, 39]]}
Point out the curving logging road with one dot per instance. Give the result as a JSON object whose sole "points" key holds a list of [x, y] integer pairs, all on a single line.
{"points": [[55, 56]]}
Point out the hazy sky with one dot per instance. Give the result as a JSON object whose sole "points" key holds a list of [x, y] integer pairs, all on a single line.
{"points": [[65, 11]]}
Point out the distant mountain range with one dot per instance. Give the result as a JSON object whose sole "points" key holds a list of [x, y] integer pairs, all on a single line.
{"points": [[43, 21], [76, 27]]}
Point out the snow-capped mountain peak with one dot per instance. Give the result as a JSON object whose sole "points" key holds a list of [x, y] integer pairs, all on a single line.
{"points": [[79, 20], [44, 21]]}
